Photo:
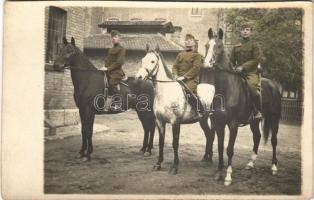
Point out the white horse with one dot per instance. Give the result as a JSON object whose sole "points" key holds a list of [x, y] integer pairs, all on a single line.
{"points": [[171, 106]]}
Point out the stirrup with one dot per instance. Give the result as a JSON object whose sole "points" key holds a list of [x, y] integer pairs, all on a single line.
{"points": [[258, 115]]}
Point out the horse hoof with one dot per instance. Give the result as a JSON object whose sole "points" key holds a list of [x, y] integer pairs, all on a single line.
{"points": [[249, 166], [157, 167], [274, 170], [146, 154], [80, 156], [142, 150], [173, 170], [85, 159], [227, 182], [207, 160], [218, 176]]}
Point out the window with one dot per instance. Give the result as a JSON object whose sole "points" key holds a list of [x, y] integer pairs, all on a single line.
{"points": [[136, 19], [160, 19], [56, 31], [112, 19], [196, 12]]}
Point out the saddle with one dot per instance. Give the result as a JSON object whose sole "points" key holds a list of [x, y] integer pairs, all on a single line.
{"points": [[193, 100], [109, 91]]}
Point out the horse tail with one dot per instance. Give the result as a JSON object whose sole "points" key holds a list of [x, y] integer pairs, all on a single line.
{"points": [[266, 127], [272, 111]]}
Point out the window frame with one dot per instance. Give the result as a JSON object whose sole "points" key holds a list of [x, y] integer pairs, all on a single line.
{"points": [[198, 12], [56, 30]]}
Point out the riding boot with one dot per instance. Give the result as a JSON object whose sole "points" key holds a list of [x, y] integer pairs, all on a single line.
{"points": [[257, 107], [114, 89], [194, 102]]}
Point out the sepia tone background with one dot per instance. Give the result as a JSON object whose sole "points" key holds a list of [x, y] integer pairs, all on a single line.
{"points": [[22, 169]]}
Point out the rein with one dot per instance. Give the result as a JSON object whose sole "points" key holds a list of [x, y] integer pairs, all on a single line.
{"points": [[81, 69], [156, 68], [150, 77]]}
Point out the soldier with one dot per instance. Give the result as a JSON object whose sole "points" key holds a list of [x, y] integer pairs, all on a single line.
{"points": [[114, 62], [187, 66], [245, 56]]}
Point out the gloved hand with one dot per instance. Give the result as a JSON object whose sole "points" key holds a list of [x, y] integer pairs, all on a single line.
{"points": [[103, 68], [181, 78], [239, 69]]}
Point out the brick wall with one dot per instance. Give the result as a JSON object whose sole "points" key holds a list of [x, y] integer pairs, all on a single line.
{"points": [[58, 85]]}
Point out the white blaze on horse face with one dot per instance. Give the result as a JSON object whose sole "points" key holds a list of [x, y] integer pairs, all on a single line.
{"points": [[148, 63], [210, 53]]}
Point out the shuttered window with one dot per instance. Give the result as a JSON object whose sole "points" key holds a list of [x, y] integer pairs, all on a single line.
{"points": [[56, 31]]}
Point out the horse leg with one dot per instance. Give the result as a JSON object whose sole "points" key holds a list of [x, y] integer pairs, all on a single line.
{"points": [[210, 136], [175, 145], [221, 137], [151, 135], [274, 130], [84, 141], [89, 120], [233, 129], [256, 139], [161, 129], [145, 140]]}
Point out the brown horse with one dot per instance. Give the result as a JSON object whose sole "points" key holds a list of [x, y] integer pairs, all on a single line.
{"points": [[89, 97], [238, 106]]}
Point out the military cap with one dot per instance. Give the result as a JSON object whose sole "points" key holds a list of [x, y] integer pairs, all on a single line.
{"points": [[245, 24], [189, 36], [114, 33]]}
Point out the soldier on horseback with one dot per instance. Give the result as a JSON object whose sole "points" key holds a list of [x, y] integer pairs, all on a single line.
{"points": [[245, 57], [187, 66], [114, 62]]}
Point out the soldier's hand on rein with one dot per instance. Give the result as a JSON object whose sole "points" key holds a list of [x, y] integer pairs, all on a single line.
{"points": [[181, 78], [239, 69], [103, 69]]}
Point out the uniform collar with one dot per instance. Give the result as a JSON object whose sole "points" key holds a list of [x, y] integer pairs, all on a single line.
{"points": [[244, 40]]}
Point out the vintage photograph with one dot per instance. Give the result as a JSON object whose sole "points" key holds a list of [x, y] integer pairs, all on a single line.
{"points": [[169, 100]]}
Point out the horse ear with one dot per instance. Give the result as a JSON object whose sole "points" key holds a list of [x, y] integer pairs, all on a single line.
{"points": [[65, 42], [157, 49], [73, 41], [210, 33], [147, 47], [220, 34]]}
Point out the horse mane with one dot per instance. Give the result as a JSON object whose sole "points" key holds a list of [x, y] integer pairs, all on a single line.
{"points": [[168, 72], [86, 63]]}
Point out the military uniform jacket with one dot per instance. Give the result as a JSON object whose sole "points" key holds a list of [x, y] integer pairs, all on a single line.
{"points": [[188, 64], [246, 55], [114, 61]]}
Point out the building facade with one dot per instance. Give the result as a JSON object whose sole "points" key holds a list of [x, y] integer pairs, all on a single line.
{"points": [[62, 22], [195, 21], [82, 24]]}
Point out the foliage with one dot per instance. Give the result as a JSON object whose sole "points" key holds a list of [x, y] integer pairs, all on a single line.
{"points": [[279, 33]]}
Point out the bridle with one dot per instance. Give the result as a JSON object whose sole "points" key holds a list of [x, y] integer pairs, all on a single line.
{"points": [[150, 74], [156, 68]]}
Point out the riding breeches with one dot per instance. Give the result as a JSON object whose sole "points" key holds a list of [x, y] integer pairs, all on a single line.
{"points": [[254, 84]]}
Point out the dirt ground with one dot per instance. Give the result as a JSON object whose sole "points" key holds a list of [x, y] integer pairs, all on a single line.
{"points": [[117, 167]]}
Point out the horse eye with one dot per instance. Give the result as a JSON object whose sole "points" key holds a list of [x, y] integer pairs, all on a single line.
{"points": [[152, 61]]}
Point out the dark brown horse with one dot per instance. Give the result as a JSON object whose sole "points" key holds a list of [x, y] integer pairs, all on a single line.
{"points": [[238, 106], [90, 99]]}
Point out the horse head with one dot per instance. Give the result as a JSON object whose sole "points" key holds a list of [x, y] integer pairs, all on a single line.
{"points": [[214, 48], [150, 63], [66, 55]]}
